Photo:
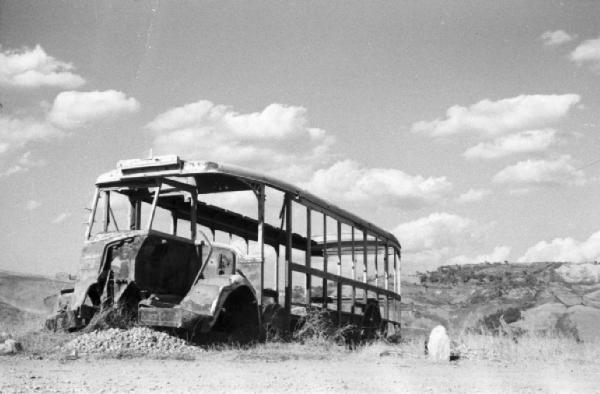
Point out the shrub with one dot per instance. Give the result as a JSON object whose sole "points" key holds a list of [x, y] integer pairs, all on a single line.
{"points": [[495, 321]]}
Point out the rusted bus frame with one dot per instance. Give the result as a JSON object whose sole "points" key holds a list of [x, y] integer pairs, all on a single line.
{"points": [[397, 281], [106, 216], [324, 291], [288, 252], [259, 191], [376, 255], [353, 272], [305, 199], [365, 227], [153, 209], [308, 256], [345, 281], [88, 230], [338, 279], [386, 280], [193, 204], [198, 169], [365, 266], [383, 319], [135, 209], [276, 274], [339, 270], [388, 295]]}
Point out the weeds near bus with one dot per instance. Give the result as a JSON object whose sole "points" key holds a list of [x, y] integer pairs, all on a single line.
{"points": [[117, 316], [318, 340], [317, 326]]}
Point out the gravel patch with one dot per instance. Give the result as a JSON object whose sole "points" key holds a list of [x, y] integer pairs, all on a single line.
{"points": [[134, 341]]}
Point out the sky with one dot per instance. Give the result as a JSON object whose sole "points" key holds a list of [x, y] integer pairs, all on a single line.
{"points": [[469, 129]]}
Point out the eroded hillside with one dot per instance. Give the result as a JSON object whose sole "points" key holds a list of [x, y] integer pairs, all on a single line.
{"points": [[556, 297], [24, 296]]}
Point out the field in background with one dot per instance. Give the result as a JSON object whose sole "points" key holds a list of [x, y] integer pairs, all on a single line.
{"points": [[496, 356], [551, 298]]}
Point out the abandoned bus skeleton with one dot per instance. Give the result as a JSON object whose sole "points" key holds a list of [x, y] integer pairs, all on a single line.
{"points": [[162, 242]]}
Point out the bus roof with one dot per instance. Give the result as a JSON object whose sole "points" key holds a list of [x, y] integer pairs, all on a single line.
{"points": [[210, 177]]}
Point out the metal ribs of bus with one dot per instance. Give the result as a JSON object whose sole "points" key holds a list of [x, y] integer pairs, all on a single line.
{"points": [[230, 222], [344, 281]]}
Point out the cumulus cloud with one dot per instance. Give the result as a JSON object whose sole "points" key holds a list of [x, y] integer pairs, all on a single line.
{"points": [[556, 38], [565, 249], [73, 109], [587, 52], [473, 195], [500, 253], [11, 171], [16, 133], [431, 241], [32, 205], [277, 139], [524, 142], [22, 164], [349, 182], [490, 118], [439, 230], [60, 217], [531, 172], [30, 68]]}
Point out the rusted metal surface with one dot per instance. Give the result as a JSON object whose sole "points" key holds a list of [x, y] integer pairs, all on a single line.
{"points": [[194, 283], [215, 177]]}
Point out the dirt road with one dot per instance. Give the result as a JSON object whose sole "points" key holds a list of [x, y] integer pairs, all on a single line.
{"points": [[238, 373]]}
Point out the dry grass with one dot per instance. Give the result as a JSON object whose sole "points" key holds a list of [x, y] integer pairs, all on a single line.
{"points": [[505, 347], [130, 354], [271, 352], [527, 347], [36, 341]]}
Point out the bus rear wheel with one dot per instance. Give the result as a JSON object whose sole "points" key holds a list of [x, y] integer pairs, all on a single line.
{"points": [[371, 321], [275, 322]]}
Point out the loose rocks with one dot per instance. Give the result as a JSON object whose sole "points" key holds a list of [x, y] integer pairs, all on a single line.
{"points": [[138, 340], [10, 346]]}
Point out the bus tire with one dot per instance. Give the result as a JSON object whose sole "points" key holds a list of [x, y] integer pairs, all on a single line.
{"points": [[371, 321], [275, 322]]}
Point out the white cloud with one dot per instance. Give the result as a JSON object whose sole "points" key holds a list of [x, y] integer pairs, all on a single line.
{"points": [[435, 240], [22, 164], [523, 142], [431, 241], [32, 205], [587, 52], [73, 109], [499, 117], [30, 68], [279, 141], [349, 182], [559, 171], [276, 140], [473, 195], [16, 133], [438, 231], [11, 171], [499, 254], [556, 38], [60, 218], [565, 249]]}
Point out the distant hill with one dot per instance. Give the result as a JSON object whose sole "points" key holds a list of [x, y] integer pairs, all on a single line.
{"points": [[551, 297], [23, 296]]}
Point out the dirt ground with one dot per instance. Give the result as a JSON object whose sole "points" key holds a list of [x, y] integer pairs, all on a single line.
{"points": [[231, 373]]}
